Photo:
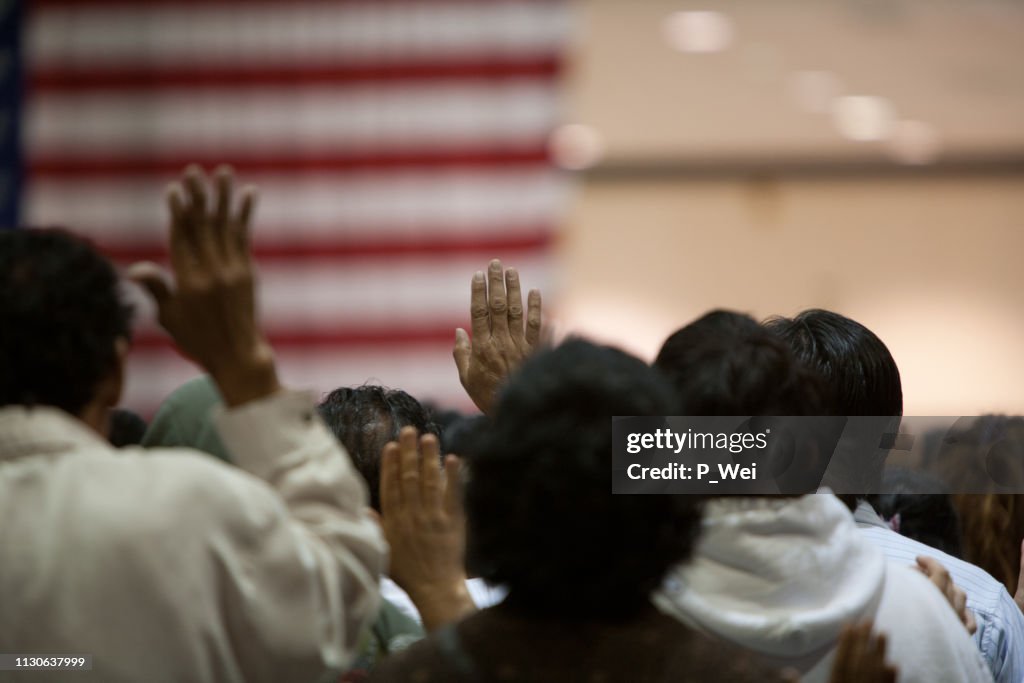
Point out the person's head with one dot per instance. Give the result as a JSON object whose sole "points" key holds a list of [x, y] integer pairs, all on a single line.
{"points": [[541, 517], [65, 328], [725, 363], [185, 420], [125, 428], [861, 373], [910, 501], [366, 418]]}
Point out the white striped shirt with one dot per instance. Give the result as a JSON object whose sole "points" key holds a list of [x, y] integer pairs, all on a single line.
{"points": [[1000, 634]]}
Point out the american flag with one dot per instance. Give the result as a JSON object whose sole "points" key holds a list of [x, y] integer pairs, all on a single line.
{"points": [[397, 147]]}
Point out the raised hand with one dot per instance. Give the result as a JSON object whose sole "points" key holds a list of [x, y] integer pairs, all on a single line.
{"points": [[423, 523], [501, 337], [210, 311], [860, 657]]}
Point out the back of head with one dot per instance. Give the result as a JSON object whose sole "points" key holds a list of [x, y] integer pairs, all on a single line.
{"points": [[126, 428], [185, 420], [725, 363], [861, 373], [365, 418], [541, 516], [62, 315], [910, 502]]}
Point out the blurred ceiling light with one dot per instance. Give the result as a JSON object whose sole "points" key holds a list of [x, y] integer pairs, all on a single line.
{"points": [[863, 118], [914, 142], [699, 31], [575, 146], [814, 91]]}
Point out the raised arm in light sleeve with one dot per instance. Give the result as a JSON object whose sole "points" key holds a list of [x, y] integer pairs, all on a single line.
{"points": [[300, 559], [295, 555]]}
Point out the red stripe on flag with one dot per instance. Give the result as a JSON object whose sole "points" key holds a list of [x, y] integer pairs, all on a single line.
{"points": [[134, 4], [77, 79], [61, 166], [337, 338], [426, 245]]}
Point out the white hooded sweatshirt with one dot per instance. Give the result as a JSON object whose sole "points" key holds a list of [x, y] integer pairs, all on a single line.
{"points": [[781, 576]]}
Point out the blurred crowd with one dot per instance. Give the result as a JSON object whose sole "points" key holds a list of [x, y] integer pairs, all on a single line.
{"points": [[253, 532]]}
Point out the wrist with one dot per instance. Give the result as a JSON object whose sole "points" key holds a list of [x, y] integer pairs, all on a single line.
{"points": [[248, 377], [442, 603]]}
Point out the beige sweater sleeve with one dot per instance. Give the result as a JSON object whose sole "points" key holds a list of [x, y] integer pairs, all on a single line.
{"points": [[299, 570]]}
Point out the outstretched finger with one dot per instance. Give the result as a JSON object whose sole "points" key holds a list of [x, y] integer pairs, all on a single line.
{"points": [[223, 179], [533, 318], [430, 472], [195, 188], [880, 645], [480, 316], [888, 673], [390, 489], [409, 474], [181, 248], [515, 307], [462, 353], [203, 243], [497, 300], [240, 227]]}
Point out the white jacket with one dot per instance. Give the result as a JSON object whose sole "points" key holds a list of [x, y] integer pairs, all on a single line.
{"points": [[782, 576], [170, 565]]}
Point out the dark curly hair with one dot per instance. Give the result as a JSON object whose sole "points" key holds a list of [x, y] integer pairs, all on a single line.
{"points": [[365, 418], [541, 516], [61, 313]]}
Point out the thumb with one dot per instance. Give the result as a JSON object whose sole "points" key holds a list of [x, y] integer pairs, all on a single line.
{"points": [[152, 278], [462, 352]]}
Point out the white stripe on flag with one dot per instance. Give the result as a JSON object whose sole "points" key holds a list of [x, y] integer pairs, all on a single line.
{"points": [[405, 293], [292, 32], [338, 206], [412, 116]]}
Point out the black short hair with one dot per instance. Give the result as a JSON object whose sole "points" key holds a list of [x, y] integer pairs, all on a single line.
{"points": [[542, 519], [125, 428], [725, 363], [913, 508], [365, 418], [861, 373], [61, 313]]}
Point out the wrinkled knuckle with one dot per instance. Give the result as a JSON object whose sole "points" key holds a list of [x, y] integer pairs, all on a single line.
{"points": [[515, 311], [499, 305], [534, 322], [478, 312]]}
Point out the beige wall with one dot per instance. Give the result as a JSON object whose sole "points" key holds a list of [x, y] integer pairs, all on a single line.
{"points": [[931, 265]]}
